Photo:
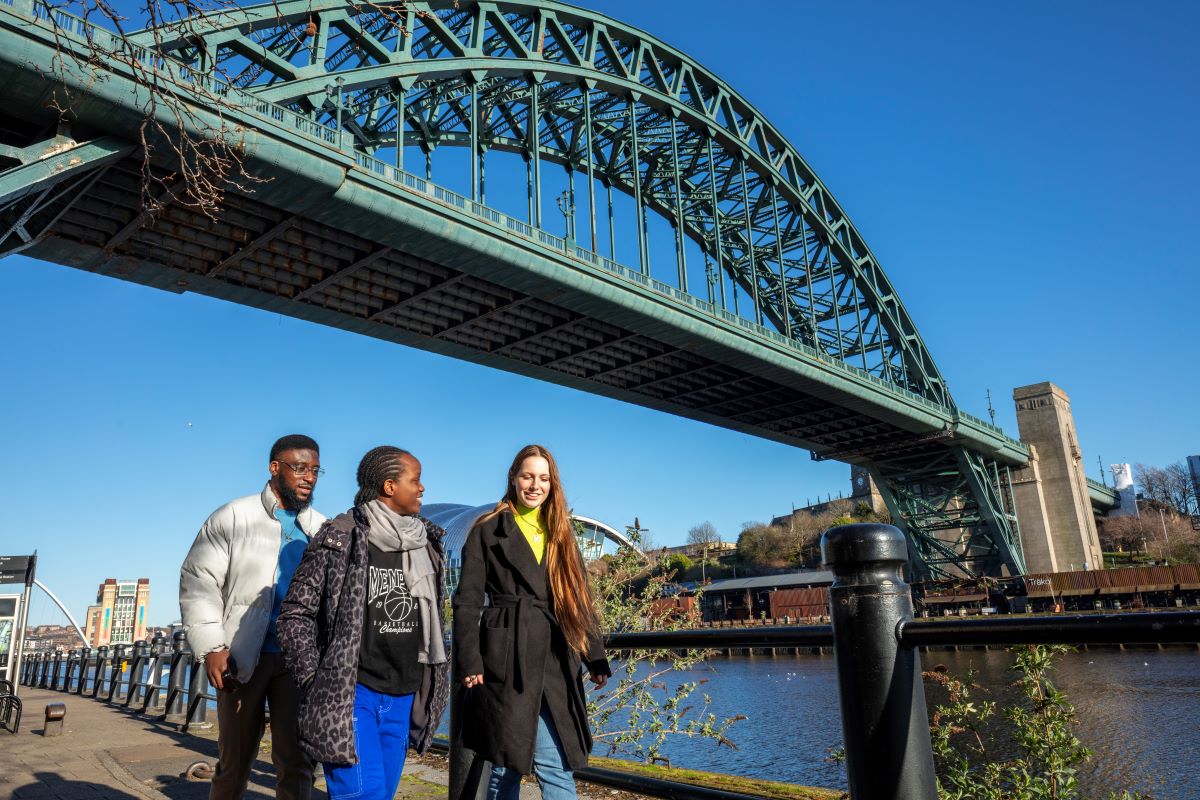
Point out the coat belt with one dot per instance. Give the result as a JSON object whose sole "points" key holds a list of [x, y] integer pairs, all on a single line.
{"points": [[524, 604]]}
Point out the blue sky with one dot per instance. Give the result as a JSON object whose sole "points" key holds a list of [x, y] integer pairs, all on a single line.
{"points": [[1024, 172]]}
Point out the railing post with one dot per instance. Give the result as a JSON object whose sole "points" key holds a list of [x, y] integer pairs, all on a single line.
{"points": [[154, 689], [101, 659], [177, 678], [116, 671], [45, 675], [197, 705], [85, 655], [60, 659], [52, 678], [72, 658], [885, 724], [140, 651]]}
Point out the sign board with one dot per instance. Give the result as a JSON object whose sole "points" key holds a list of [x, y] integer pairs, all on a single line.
{"points": [[17, 569], [10, 607]]}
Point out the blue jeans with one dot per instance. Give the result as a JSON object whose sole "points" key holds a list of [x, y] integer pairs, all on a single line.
{"points": [[381, 741], [549, 764]]}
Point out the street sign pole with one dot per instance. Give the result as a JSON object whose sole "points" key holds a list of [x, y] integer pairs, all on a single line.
{"points": [[11, 569]]}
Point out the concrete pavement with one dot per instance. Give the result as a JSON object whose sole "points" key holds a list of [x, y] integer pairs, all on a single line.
{"points": [[108, 753]]}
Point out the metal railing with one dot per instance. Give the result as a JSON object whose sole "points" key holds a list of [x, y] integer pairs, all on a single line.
{"points": [[873, 633], [156, 677], [875, 638]]}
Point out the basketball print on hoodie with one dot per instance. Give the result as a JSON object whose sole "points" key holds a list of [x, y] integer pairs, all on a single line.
{"points": [[387, 660]]}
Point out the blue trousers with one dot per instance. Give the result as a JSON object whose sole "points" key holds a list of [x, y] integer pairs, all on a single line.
{"points": [[549, 764], [381, 741]]}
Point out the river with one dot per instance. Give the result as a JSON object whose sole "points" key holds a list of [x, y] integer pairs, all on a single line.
{"points": [[1138, 711]]}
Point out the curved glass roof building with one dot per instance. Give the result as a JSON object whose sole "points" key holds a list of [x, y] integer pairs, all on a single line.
{"points": [[458, 519]]}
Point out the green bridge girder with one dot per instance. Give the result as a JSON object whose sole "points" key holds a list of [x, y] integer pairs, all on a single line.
{"points": [[331, 95], [1104, 498]]}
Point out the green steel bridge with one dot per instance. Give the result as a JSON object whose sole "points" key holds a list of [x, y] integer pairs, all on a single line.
{"points": [[768, 314]]}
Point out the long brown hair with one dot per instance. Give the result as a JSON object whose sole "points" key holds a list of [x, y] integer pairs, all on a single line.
{"points": [[569, 587]]}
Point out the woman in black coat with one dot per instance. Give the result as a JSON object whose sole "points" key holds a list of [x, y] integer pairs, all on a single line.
{"points": [[524, 628], [361, 630]]}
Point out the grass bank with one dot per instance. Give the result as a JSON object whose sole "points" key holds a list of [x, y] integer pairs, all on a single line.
{"points": [[715, 780]]}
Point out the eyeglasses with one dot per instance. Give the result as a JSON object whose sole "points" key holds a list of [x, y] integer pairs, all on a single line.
{"points": [[304, 469]]}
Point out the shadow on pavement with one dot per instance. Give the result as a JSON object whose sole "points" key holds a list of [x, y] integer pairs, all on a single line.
{"points": [[52, 786]]}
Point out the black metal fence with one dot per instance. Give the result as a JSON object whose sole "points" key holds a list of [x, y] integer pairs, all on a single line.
{"points": [[156, 677], [875, 639]]}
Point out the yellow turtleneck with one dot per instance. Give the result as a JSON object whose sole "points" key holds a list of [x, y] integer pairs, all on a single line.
{"points": [[530, 523]]}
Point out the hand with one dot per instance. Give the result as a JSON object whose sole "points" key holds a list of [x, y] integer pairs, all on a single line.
{"points": [[599, 680], [473, 680], [217, 664]]}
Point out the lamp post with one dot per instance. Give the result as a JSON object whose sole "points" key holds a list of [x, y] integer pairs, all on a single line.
{"points": [[566, 204], [1166, 537]]}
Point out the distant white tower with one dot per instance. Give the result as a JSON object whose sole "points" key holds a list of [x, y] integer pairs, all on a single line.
{"points": [[1123, 482]]}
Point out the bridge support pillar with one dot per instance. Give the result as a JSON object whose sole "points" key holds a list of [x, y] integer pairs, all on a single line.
{"points": [[884, 723]]}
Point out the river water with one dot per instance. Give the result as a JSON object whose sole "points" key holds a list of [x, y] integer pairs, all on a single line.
{"points": [[1138, 712]]}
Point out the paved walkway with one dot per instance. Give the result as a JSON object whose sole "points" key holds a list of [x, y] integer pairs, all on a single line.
{"points": [[108, 753]]}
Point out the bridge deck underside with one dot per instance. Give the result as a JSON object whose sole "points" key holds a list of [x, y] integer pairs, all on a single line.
{"points": [[261, 255]]}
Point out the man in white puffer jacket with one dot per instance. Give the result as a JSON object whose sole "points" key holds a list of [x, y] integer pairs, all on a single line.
{"points": [[230, 590]]}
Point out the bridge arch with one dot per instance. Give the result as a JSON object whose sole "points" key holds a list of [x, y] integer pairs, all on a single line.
{"points": [[829, 361], [555, 83]]}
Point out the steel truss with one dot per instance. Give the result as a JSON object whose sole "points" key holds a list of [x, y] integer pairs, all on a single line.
{"points": [[560, 85]]}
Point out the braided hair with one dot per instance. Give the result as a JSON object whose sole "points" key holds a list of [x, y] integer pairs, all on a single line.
{"points": [[381, 464]]}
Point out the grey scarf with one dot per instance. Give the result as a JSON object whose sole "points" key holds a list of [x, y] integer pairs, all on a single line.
{"points": [[392, 532]]}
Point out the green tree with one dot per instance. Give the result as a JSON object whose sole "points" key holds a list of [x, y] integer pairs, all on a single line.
{"points": [[640, 710], [703, 534], [1041, 726], [677, 564], [767, 546]]}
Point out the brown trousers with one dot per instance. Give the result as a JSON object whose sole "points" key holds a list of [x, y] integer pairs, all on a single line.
{"points": [[242, 720]]}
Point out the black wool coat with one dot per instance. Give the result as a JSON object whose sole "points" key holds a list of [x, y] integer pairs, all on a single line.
{"points": [[320, 629], [505, 629]]}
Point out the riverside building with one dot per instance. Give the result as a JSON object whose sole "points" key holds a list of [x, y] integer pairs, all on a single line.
{"points": [[119, 615]]}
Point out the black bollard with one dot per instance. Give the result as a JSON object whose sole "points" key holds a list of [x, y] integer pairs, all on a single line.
{"points": [[56, 714], [884, 722]]}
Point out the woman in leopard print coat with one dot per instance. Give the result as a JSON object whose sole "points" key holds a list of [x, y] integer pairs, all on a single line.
{"points": [[325, 619]]}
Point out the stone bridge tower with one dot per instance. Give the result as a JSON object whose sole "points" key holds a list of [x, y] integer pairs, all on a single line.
{"points": [[1058, 529]]}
